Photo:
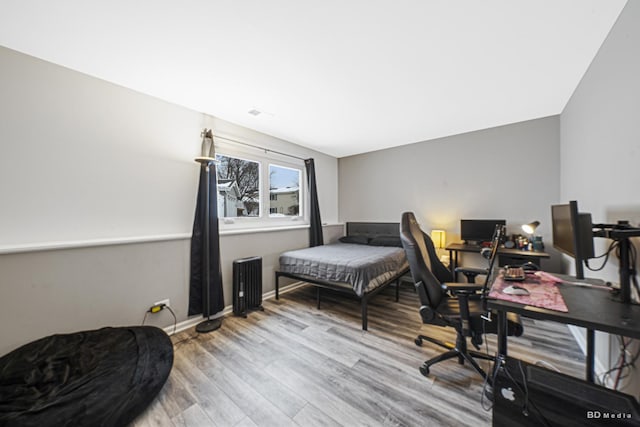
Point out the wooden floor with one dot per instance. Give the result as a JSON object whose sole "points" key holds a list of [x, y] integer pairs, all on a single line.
{"points": [[294, 365]]}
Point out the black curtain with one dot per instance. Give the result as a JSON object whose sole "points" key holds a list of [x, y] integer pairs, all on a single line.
{"points": [[197, 281], [315, 231]]}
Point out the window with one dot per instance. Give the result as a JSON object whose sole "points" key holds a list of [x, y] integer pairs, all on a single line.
{"points": [[258, 189], [284, 191], [238, 187]]}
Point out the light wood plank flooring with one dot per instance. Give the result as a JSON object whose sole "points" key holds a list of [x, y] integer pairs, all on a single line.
{"points": [[294, 365]]}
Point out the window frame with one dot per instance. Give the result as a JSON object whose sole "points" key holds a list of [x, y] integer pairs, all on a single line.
{"points": [[301, 206], [264, 160]]}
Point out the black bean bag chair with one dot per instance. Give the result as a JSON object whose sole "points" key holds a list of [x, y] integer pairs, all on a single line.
{"points": [[104, 377]]}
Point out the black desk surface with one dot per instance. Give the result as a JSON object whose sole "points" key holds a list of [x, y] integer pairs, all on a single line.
{"points": [[592, 308], [461, 247]]}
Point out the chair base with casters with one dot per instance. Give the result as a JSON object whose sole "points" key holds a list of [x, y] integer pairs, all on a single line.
{"points": [[458, 350], [461, 313], [464, 314]]}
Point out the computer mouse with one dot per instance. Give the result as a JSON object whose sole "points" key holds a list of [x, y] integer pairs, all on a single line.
{"points": [[515, 290], [529, 266]]}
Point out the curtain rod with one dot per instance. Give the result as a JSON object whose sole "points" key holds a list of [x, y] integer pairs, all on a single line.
{"points": [[209, 133]]}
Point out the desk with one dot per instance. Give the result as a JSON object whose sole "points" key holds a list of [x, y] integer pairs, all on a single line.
{"points": [[590, 308], [505, 255]]}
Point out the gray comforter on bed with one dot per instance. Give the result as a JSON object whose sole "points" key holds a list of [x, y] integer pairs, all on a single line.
{"points": [[363, 267]]}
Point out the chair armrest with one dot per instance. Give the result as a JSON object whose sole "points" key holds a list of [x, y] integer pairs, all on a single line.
{"points": [[462, 287], [471, 270], [463, 291]]}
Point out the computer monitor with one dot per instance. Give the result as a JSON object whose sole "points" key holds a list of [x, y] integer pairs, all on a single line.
{"points": [[474, 231], [572, 233]]}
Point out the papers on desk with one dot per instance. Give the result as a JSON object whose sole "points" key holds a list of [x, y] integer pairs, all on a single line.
{"points": [[549, 276], [543, 292]]}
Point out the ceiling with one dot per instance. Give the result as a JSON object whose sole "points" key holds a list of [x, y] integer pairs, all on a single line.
{"points": [[341, 77]]}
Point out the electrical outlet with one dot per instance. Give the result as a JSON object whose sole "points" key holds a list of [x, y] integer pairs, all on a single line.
{"points": [[166, 302]]}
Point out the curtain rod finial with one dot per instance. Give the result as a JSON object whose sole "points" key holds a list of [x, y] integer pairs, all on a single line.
{"points": [[207, 150], [206, 133]]}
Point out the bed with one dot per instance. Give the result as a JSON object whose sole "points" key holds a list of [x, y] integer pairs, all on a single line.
{"points": [[367, 260]]}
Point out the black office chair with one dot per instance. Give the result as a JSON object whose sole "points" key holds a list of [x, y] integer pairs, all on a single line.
{"points": [[455, 305]]}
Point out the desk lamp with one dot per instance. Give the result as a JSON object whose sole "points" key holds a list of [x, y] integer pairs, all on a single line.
{"points": [[531, 227], [535, 241], [439, 238]]}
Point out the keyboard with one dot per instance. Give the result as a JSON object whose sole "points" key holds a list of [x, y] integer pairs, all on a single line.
{"points": [[515, 274]]}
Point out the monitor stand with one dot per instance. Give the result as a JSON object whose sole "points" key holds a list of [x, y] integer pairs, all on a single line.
{"points": [[622, 233]]}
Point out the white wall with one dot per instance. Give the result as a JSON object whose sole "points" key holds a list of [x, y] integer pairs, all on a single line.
{"points": [[600, 142], [509, 172], [87, 163]]}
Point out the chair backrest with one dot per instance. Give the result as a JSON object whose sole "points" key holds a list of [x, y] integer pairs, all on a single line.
{"points": [[442, 272], [413, 241]]}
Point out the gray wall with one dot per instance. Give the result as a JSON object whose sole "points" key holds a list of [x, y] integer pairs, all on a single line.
{"points": [[508, 172], [65, 290], [86, 159], [600, 143], [85, 164]]}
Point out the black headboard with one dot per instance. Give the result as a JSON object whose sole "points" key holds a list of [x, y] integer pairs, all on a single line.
{"points": [[373, 229]]}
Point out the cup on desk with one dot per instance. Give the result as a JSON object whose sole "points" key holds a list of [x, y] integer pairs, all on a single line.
{"points": [[537, 243]]}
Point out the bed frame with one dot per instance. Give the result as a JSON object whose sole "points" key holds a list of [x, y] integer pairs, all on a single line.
{"points": [[370, 229]]}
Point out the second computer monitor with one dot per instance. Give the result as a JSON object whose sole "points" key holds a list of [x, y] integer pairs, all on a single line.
{"points": [[476, 231], [572, 233]]}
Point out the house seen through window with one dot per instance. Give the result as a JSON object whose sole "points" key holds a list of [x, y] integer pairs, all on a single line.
{"points": [[238, 187], [240, 182], [284, 191]]}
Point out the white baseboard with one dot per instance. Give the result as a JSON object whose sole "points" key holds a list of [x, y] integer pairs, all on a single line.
{"points": [[283, 290], [194, 320]]}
